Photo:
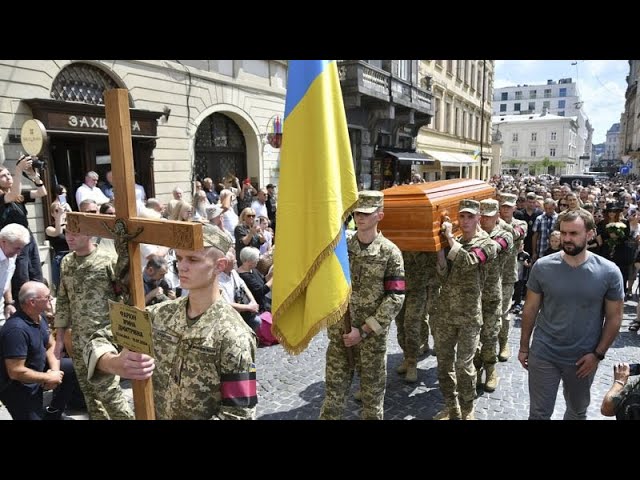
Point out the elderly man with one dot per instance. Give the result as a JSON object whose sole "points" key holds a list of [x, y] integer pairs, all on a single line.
{"points": [[28, 365], [13, 238], [89, 190]]}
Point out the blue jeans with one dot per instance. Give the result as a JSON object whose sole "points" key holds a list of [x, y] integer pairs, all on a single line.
{"points": [[55, 268]]}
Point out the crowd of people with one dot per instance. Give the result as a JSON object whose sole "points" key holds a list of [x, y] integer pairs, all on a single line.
{"points": [[569, 251]]}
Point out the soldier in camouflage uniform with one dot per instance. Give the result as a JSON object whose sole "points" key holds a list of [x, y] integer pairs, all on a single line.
{"points": [[377, 281], [87, 279], [411, 316], [492, 294], [457, 316], [204, 351], [518, 229], [433, 292]]}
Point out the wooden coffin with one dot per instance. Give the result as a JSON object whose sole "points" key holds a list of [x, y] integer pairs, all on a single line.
{"points": [[413, 213]]}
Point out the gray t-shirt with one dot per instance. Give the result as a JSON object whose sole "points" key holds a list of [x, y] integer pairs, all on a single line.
{"points": [[571, 315]]}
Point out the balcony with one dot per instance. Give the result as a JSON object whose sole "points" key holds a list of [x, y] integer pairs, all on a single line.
{"points": [[366, 86]]}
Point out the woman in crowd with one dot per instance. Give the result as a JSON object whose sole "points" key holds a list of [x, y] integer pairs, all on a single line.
{"points": [[13, 210]]}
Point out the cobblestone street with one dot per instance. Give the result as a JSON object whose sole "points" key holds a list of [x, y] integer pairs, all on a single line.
{"points": [[292, 387]]}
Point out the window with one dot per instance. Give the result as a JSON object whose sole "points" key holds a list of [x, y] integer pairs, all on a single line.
{"points": [[563, 92], [464, 124], [504, 96], [473, 76], [514, 137], [516, 107], [547, 93], [404, 69], [449, 67], [546, 104], [514, 152], [503, 107], [552, 152], [477, 136], [438, 115], [447, 118], [553, 135], [457, 122], [534, 137], [375, 63], [533, 94], [533, 152], [561, 103], [518, 95], [532, 106], [460, 70], [439, 63]]}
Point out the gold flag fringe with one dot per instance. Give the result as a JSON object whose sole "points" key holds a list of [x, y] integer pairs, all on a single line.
{"points": [[332, 317], [326, 322]]}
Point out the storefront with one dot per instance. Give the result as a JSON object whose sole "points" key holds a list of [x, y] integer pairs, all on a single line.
{"points": [[391, 167], [78, 143]]}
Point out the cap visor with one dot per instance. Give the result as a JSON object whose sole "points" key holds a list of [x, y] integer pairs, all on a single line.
{"points": [[366, 210]]}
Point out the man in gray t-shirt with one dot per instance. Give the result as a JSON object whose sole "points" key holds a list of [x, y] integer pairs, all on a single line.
{"points": [[570, 293]]}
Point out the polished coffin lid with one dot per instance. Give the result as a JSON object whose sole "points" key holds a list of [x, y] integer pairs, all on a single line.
{"points": [[413, 213]]}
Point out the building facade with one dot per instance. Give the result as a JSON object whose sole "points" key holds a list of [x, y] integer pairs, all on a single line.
{"points": [[190, 119], [462, 96], [386, 103], [537, 143], [629, 143], [611, 144], [561, 98]]}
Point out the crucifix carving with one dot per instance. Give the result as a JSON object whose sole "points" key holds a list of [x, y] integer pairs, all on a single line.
{"points": [[129, 231]]}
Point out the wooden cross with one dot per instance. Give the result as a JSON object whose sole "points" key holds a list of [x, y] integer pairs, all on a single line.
{"points": [[182, 235]]}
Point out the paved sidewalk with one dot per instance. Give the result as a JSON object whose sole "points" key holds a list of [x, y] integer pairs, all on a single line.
{"points": [[292, 387]]}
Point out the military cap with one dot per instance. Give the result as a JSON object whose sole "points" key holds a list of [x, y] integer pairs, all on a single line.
{"points": [[508, 199], [369, 201], [489, 207], [214, 237], [468, 205]]}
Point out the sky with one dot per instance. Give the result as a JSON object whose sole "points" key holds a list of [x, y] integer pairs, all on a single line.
{"points": [[601, 84]]}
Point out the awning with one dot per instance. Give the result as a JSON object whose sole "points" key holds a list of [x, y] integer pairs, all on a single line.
{"points": [[412, 157], [451, 159]]}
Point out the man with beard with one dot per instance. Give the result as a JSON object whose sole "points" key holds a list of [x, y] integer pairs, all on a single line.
{"points": [[569, 291]]}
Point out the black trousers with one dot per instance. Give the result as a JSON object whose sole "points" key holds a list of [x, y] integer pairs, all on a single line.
{"points": [[27, 267]]}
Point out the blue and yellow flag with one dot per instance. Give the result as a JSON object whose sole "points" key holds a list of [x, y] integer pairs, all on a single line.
{"points": [[317, 190]]}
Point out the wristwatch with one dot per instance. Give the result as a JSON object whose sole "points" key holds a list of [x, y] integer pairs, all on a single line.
{"points": [[363, 334], [599, 356]]}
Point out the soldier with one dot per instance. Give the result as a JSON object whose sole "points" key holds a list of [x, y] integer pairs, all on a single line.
{"points": [[457, 316], [517, 228], [411, 316], [204, 351], [492, 294], [87, 283], [433, 292], [377, 281]]}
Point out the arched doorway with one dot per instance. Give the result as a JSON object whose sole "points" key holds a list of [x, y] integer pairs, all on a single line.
{"points": [[220, 149]]}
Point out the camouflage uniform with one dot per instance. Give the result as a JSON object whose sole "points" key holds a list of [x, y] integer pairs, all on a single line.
{"points": [[433, 292], [457, 316], [86, 286], [203, 371], [518, 229], [377, 281], [411, 317], [492, 291]]}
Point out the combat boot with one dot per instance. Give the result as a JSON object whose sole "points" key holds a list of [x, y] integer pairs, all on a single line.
{"points": [[491, 383], [505, 352], [467, 411], [402, 368], [448, 413], [412, 370]]}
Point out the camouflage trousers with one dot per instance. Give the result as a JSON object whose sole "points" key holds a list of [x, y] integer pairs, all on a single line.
{"points": [[103, 395], [371, 363], [433, 292], [456, 345], [412, 314], [491, 324], [507, 293]]}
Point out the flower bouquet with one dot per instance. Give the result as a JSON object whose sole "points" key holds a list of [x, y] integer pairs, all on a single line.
{"points": [[617, 232]]}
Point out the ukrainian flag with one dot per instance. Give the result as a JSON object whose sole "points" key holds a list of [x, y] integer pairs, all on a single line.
{"points": [[317, 190]]}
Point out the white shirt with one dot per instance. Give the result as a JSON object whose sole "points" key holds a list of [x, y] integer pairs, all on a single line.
{"points": [[140, 193], [260, 209], [227, 285], [7, 267], [85, 192]]}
